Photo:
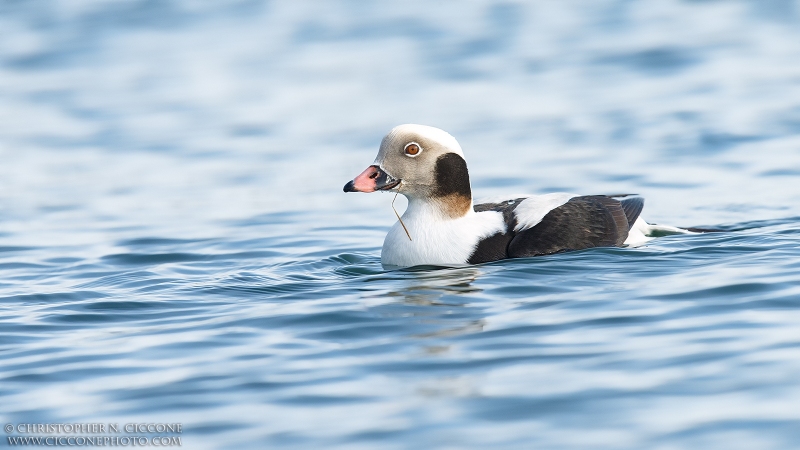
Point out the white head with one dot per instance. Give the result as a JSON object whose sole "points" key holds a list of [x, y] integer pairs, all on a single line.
{"points": [[422, 163]]}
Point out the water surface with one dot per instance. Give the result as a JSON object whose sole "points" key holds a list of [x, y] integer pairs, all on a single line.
{"points": [[175, 246]]}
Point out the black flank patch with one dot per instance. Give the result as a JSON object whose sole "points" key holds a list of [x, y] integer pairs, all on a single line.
{"points": [[583, 222], [492, 248], [452, 176], [495, 247]]}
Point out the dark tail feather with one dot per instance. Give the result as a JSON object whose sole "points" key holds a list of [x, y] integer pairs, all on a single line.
{"points": [[632, 207], [704, 230]]}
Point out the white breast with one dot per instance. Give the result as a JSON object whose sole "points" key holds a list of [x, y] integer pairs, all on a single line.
{"points": [[435, 239]]}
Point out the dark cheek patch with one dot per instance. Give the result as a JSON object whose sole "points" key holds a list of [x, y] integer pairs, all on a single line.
{"points": [[452, 185], [452, 177]]}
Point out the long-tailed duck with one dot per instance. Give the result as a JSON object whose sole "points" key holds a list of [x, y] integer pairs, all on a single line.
{"points": [[442, 226]]}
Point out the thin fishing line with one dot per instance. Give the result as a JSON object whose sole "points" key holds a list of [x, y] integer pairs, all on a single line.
{"points": [[398, 218]]}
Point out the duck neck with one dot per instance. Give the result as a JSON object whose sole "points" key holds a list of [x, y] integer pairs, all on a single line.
{"points": [[447, 207]]}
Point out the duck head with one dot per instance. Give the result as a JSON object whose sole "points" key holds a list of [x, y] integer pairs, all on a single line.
{"points": [[423, 163]]}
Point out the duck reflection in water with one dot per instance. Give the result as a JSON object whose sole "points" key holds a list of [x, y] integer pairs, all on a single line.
{"points": [[424, 287]]}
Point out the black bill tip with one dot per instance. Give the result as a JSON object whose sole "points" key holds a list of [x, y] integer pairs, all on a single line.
{"points": [[350, 186]]}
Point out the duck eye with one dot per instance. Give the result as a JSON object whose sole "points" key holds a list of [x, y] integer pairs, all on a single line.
{"points": [[413, 149]]}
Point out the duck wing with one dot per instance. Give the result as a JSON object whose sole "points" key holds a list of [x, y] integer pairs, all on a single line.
{"points": [[581, 222]]}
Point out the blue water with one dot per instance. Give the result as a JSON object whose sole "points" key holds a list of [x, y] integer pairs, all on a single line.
{"points": [[175, 246]]}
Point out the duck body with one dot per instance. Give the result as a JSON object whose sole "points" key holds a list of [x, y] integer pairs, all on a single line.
{"points": [[442, 225], [522, 226]]}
